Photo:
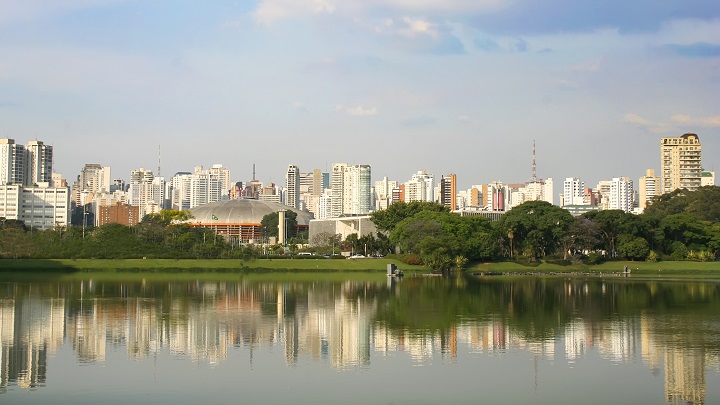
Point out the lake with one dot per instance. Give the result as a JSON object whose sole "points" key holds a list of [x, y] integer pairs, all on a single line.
{"points": [[320, 340]]}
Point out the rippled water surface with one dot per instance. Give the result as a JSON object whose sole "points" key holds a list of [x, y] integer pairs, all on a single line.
{"points": [[421, 340]]}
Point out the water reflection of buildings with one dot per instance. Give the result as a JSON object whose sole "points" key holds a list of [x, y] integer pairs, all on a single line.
{"points": [[30, 330], [335, 323]]}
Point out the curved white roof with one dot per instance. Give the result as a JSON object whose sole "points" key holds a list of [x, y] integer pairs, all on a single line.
{"points": [[242, 211]]}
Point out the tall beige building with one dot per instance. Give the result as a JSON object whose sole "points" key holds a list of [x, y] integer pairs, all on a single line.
{"points": [[649, 187], [680, 163]]}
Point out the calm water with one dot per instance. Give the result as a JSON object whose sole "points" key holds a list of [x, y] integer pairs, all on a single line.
{"points": [[421, 340]]}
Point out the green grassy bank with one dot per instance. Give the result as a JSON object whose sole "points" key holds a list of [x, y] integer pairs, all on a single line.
{"points": [[202, 266], [638, 268], [280, 266]]}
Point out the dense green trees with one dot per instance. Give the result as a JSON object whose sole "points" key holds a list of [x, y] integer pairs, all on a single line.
{"points": [[679, 225], [155, 237]]}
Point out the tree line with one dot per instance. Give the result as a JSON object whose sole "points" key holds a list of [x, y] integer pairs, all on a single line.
{"points": [[681, 225]]}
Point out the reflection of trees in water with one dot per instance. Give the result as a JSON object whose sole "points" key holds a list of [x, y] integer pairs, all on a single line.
{"points": [[343, 321]]}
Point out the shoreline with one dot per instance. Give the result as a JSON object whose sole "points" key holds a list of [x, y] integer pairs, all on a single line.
{"points": [[346, 266]]}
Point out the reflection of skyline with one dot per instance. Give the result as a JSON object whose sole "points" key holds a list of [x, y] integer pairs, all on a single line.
{"points": [[336, 324]]}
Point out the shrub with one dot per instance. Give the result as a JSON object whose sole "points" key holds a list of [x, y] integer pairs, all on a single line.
{"points": [[411, 259], [594, 258], [652, 257]]}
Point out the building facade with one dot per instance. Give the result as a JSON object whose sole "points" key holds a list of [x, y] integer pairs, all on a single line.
{"points": [[39, 207], [292, 186], [351, 189], [680, 163], [448, 191], [648, 187]]}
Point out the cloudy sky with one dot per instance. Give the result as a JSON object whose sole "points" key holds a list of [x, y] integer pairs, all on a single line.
{"points": [[448, 86]]}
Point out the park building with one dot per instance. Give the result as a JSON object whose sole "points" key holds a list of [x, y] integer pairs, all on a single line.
{"points": [[241, 219]]}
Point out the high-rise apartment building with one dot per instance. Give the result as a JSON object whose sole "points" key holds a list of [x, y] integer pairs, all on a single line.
{"points": [[12, 162], [448, 191], [39, 163], [180, 191], [141, 190], [621, 194], [292, 186], [680, 163], [383, 193], [573, 191], [420, 187], [351, 189], [649, 187]]}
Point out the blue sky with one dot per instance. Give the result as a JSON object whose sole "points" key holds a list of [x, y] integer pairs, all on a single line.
{"points": [[403, 85]]}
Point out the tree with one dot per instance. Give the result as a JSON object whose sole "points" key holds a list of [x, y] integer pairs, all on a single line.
{"points": [[612, 224], [389, 218], [703, 203], [536, 227], [634, 248], [167, 217], [270, 223]]}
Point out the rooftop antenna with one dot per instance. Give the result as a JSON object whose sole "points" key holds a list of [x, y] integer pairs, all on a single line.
{"points": [[533, 179], [253, 172], [158, 161]]}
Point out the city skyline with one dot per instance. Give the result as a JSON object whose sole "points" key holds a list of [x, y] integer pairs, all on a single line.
{"points": [[276, 83]]}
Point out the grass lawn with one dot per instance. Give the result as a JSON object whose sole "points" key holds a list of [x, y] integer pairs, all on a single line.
{"points": [[202, 266], [642, 268]]}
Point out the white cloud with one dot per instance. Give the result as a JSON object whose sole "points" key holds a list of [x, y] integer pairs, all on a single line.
{"points": [[271, 11], [358, 110], [654, 127], [414, 26], [705, 122]]}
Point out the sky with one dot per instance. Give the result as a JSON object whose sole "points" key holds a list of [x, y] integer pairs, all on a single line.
{"points": [[447, 86]]}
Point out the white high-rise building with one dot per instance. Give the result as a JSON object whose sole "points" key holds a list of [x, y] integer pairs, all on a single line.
{"points": [[94, 178], [351, 190], [573, 190], [141, 190], [383, 193], [39, 163], [649, 187], [41, 207], [680, 163], [621, 194], [180, 191], [323, 209], [221, 176], [292, 186], [12, 162], [206, 186], [420, 187]]}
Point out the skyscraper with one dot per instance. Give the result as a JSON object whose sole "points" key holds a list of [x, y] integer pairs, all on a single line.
{"points": [[680, 163], [573, 191], [351, 189], [39, 163], [292, 186], [420, 187], [448, 191], [12, 162], [621, 194], [649, 187]]}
